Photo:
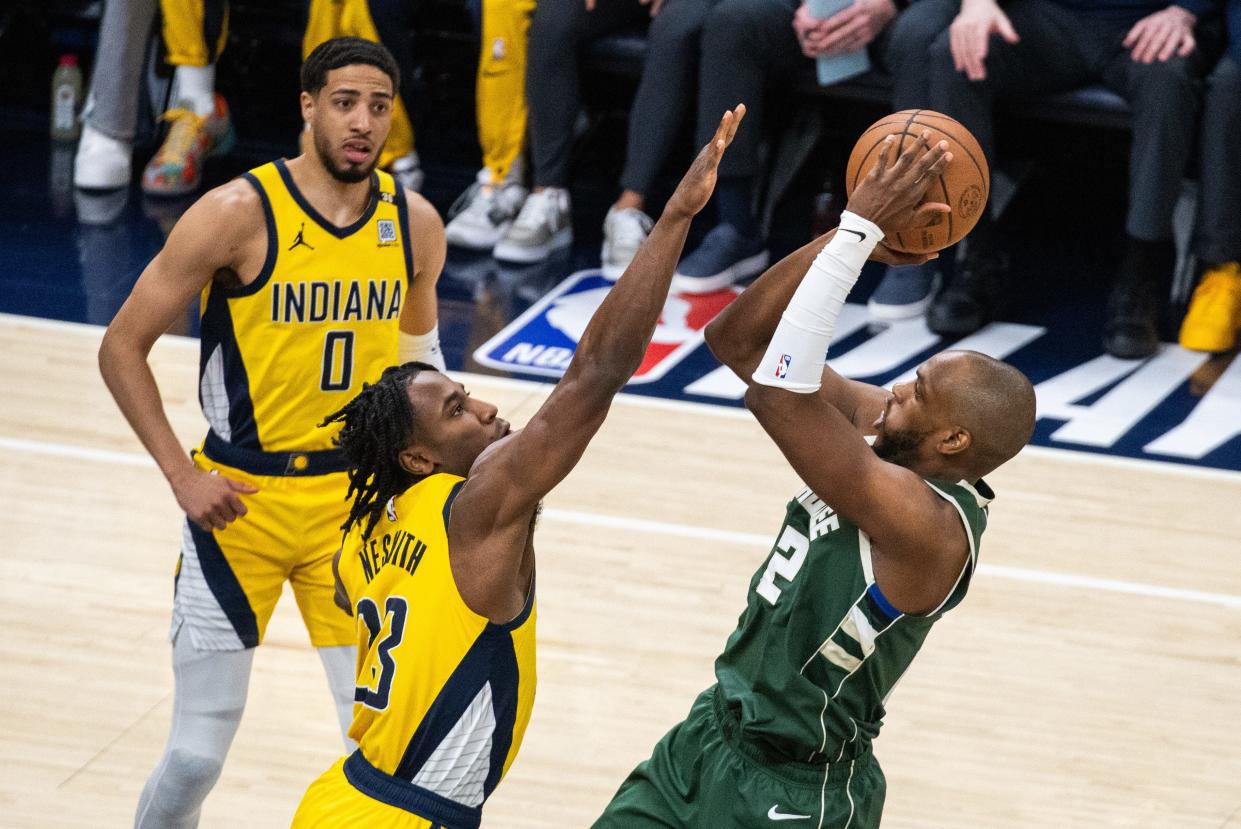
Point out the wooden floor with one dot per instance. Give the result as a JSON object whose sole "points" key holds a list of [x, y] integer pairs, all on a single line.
{"points": [[1092, 678]]}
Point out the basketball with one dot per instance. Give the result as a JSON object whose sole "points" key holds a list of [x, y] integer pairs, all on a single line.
{"points": [[964, 185]]}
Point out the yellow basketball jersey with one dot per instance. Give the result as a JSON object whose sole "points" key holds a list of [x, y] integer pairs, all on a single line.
{"points": [[296, 344], [443, 695]]}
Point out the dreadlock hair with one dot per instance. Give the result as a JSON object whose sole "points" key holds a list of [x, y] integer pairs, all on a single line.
{"points": [[376, 426]]}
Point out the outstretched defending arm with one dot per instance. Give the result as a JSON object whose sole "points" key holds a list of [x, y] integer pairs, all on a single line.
{"points": [[508, 481]]}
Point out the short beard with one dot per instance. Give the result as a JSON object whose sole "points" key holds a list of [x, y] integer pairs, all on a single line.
{"points": [[900, 448], [351, 175]]}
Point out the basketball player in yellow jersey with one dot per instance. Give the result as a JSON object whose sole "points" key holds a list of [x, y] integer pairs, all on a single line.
{"points": [[438, 560], [315, 275]]}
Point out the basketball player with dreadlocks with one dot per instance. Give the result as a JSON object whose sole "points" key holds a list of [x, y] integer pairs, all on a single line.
{"points": [[878, 546], [438, 560], [314, 274]]}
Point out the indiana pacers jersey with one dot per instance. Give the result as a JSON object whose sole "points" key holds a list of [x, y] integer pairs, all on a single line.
{"points": [[443, 695], [298, 342], [819, 648]]}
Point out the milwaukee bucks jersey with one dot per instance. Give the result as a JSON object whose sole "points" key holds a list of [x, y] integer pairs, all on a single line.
{"points": [[443, 695], [819, 648], [298, 342]]}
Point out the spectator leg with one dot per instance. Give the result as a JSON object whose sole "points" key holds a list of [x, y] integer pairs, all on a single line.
{"points": [[1165, 100], [117, 73], [902, 50], [557, 30], [1052, 56], [744, 43], [1218, 237], [667, 87], [500, 90]]}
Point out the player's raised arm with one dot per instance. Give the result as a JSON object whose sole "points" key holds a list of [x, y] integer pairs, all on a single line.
{"points": [[892, 504], [738, 337], [207, 239], [507, 482]]}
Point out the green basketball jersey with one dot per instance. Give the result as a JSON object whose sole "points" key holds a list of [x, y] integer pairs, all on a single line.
{"points": [[819, 648]]}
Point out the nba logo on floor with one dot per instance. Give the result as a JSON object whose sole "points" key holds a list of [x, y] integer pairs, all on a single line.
{"points": [[542, 340], [387, 232], [782, 368]]}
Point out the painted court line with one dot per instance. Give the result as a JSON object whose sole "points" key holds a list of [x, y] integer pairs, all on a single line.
{"points": [[694, 407], [985, 569], [61, 450], [616, 522]]}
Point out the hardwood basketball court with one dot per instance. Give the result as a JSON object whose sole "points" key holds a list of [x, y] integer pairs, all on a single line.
{"points": [[1092, 677]]}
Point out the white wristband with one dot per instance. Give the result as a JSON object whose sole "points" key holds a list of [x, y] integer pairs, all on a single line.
{"points": [[798, 348], [422, 348]]}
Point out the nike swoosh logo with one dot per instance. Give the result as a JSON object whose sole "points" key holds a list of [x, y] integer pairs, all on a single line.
{"points": [[861, 237], [773, 813]]}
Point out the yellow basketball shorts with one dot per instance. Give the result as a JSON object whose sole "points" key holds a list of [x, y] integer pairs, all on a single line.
{"points": [[228, 581], [332, 801]]}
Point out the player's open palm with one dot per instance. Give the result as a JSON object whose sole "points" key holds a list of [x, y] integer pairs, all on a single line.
{"points": [[210, 501], [891, 194], [695, 189]]}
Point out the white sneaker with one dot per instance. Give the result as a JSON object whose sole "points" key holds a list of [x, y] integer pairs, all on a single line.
{"points": [[484, 213], [407, 170], [102, 162], [543, 225], [624, 231]]}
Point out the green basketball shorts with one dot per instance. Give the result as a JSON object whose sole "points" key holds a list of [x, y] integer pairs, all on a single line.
{"points": [[703, 775]]}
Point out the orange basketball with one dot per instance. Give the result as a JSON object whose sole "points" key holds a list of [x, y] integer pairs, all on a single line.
{"points": [[964, 184]]}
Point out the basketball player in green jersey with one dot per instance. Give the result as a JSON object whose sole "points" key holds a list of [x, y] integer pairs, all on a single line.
{"points": [[881, 543]]}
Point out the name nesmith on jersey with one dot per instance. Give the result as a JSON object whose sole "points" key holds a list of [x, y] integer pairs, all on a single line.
{"points": [[401, 548]]}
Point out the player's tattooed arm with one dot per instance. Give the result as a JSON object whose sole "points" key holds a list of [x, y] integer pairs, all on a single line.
{"points": [[491, 516]]}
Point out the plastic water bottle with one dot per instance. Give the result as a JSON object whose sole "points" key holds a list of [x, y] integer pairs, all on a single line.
{"points": [[66, 98]]}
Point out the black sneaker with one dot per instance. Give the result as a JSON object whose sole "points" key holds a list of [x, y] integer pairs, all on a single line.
{"points": [[1140, 290], [972, 298], [1131, 331]]}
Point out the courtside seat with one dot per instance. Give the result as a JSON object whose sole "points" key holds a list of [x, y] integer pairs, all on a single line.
{"points": [[1093, 106], [1097, 106]]}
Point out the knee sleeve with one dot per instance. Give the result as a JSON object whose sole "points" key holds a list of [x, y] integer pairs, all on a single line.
{"points": [[209, 700], [174, 797]]}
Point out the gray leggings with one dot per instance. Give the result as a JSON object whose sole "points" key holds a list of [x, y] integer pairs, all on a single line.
{"points": [[112, 106], [206, 710]]}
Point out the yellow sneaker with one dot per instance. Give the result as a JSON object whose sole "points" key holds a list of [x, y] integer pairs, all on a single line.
{"points": [[1214, 315]]}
